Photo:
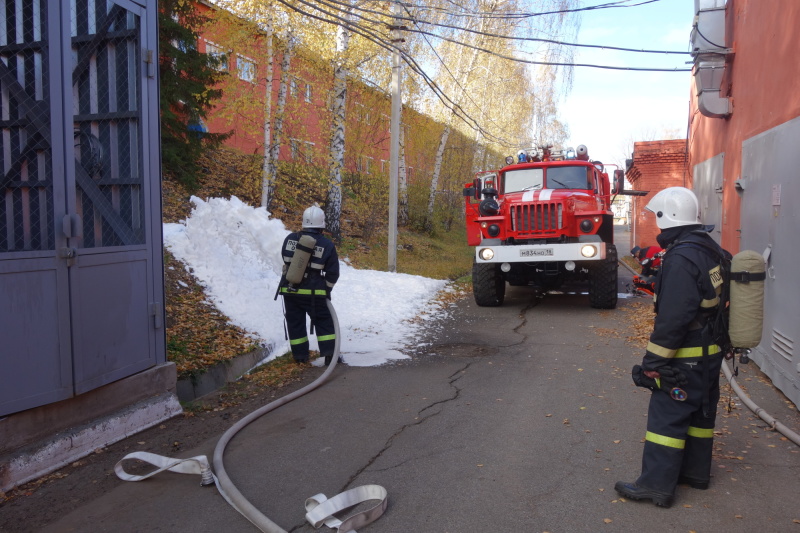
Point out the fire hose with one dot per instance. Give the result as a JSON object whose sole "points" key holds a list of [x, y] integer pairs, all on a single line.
{"points": [[763, 415], [319, 509]]}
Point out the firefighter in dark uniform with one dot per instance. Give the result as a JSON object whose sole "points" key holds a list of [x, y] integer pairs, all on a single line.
{"points": [[682, 364], [308, 298]]}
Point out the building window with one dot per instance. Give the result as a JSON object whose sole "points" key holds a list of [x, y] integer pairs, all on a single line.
{"points": [[293, 87], [219, 54], [308, 93], [294, 147], [246, 68], [308, 152]]}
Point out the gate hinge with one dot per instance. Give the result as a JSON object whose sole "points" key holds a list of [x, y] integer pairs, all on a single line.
{"points": [[151, 65], [158, 316]]}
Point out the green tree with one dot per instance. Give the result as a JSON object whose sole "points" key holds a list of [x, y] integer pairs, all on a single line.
{"points": [[188, 81]]}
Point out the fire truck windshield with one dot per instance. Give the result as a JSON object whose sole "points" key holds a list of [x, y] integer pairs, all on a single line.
{"points": [[523, 179], [569, 178]]}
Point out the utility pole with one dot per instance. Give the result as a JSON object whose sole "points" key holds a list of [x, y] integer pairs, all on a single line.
{"points": [[394, 134]]}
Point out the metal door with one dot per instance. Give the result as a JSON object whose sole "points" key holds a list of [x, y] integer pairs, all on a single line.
{"points": [[80, 285], [708, 177], [770, 194]]}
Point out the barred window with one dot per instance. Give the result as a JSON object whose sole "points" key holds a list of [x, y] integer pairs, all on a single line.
{"points": [[218, 53], [246, 68]]}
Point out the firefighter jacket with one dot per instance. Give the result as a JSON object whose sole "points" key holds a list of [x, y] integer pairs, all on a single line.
{"points": [[322, 271], [687, 292]]}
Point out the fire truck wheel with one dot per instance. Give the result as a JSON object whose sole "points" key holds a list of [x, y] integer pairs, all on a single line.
{"points": [[603, 281], [488, 285]]}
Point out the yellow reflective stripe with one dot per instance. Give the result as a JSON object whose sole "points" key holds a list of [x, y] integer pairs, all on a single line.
{"points": [[660, 350], [655, 438], [326, 337], [318, 292], [696, 351], [705, 304], [700, 433], [298, 341]]}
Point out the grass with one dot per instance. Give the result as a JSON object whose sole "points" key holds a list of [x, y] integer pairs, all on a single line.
{"points": [[443, 256]]}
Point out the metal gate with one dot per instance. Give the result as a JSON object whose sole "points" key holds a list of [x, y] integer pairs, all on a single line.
{"points": [[80, 240]]}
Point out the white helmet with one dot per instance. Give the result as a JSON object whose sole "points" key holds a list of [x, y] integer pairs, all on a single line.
{"points": [[313, 217], [675, 206]]}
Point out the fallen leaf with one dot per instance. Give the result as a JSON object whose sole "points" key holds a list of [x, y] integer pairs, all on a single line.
{"points": [[617, 441], [607, 520]]}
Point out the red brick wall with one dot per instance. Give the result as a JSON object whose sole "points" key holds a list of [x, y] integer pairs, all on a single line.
{"points": [[656, 166]]}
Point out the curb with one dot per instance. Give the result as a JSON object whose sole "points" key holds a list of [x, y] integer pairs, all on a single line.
{"points": [[214, 378]]}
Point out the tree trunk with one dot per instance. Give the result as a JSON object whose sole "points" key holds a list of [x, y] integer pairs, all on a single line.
{"points": [[268, 166], [437, 169], [333, 203], [402, 211]]}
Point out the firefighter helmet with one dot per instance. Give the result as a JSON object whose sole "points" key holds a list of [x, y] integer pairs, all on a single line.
{"points": [[313, 217], [675, 206]]}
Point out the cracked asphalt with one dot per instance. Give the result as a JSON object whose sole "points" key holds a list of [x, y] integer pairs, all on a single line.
{"points": [[513, 419]]}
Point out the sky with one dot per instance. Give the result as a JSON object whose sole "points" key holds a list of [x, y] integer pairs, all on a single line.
{"points": [[608, 109], [233, 249]]}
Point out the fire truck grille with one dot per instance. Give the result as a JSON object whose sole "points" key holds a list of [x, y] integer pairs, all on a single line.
{"points": [[542, 217]]}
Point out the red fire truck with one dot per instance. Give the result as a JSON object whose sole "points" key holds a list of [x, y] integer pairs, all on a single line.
{"points": [[543, 220]]}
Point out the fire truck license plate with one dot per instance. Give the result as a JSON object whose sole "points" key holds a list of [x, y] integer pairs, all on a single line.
{"points": [[536, 253]]}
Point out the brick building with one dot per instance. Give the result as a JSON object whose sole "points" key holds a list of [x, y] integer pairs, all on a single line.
{"points": [[655, 166]]}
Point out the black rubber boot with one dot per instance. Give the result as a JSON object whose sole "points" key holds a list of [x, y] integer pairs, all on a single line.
{"points": [[635, 492]]}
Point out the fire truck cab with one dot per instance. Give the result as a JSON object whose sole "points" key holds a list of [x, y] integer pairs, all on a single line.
{"points": [[542, 220]]}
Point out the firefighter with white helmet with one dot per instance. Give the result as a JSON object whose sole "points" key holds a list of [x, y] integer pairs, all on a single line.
{"points": [[311, 269], [681, 364]]}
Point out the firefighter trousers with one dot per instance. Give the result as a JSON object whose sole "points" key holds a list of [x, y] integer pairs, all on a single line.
{"points": [[680, 434], [297, 308]]}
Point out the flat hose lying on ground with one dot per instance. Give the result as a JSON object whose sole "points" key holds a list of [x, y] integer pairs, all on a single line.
{"points": [[320, 509], [763, 415]]}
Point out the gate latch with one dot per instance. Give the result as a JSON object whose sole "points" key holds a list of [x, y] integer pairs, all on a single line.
{"points": [[70, 254]]}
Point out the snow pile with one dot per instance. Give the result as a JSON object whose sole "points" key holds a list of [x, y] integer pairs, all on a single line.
{"points": [[234, 251]]}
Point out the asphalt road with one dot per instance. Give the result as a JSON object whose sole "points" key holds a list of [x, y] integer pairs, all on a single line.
{"points": [[512, 419]]}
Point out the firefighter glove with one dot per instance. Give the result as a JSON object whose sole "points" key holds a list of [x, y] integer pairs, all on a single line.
{"points": [[671, 377], [640, 380]]}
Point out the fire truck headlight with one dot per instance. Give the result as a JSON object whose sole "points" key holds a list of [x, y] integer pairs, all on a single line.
{"points": [[505, 267], [586, 225], [493, 230], [588, 250], [486, 254], [509, 160], [570, 265]]}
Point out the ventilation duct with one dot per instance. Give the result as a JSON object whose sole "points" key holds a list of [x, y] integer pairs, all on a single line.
{"points": [[709, 52]]}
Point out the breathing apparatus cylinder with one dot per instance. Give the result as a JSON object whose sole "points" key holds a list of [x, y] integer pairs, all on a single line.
{"points": [[746, 318], [302, 255]]}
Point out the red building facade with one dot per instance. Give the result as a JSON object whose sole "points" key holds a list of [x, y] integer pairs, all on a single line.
{"points": [[744, 156], [656, 166]]}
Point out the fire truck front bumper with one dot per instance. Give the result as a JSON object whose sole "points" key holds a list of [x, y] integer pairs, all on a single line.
{"points": [[540, 253]]}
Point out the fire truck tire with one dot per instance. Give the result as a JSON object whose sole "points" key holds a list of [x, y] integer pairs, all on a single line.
{"points": [[603, 281], [488, 285]]}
